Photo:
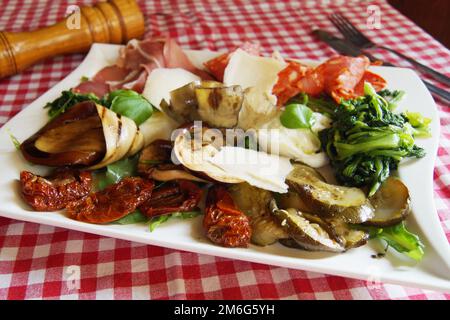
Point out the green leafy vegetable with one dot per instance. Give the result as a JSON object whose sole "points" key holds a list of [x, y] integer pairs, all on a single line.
{"points": [[129, 104], [116, 171], [67, 100], [84, 79], [156, 221], [399, 238], [367, 140], [297, 116], [420, 125], [392, 97], [134, 217]]}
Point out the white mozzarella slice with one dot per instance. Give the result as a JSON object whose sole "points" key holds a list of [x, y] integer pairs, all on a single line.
{"points": [[297, 144], [163, 80]]}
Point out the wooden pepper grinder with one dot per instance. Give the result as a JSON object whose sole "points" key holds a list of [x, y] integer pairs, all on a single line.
{"points": [[115, 21]]}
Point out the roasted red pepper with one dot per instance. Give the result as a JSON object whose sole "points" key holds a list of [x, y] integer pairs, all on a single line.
{"points": [[112, 203], [224, 223], [175, 196], [56, 191]]}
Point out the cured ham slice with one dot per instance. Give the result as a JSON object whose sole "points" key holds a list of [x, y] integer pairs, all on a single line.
{"points": [[111, 74], [217, 65], [97, 88], [136, 61], [341, 77]]}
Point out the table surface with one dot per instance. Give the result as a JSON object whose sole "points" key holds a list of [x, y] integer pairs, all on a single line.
{"points": [[39, 261]]}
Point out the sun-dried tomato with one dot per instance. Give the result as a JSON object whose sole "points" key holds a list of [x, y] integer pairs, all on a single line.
{"points": [[112, 203], [176, 196], [56, 191], [224, 223]]}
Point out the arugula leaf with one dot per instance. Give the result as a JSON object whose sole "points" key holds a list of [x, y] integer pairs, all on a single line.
{"points": [[130, 104], [67, 100], [14, 140], [297, 116], [116, 171], [186, 215], [156, 221], [134, 217], [399, 238]]}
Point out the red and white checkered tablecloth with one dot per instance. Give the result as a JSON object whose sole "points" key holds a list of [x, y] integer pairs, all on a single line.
{"points": [[35, 259]]}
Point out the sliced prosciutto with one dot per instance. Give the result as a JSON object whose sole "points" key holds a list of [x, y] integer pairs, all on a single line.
{"points": [[341, 77], [136, 61], [97, 88]]}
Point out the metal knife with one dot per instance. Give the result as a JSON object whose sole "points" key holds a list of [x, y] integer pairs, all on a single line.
{"points": [[347, 48]]}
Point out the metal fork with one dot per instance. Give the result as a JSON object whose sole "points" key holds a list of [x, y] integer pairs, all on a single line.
{"points": [[352, 34]]}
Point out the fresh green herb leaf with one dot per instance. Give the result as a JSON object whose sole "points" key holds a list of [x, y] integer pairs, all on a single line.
{"points": [[129, 104], [297, 116], [155, 222], [116, 171], [67, 100], [119, 93], [14, 140], [399, 238], [84, 79], [134, 217]]}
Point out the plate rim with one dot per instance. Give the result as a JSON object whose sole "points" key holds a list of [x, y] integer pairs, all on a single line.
{"points": [[83, 227]]}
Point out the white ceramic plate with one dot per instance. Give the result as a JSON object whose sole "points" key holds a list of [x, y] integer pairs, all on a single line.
{"points": [[432, 273]]}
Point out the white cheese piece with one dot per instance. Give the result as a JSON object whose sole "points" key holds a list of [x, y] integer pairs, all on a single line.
{"points": [[298, 144], [248, 71], [258, 168], [163, 80]]}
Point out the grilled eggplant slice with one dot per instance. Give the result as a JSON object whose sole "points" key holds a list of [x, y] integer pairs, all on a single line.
{"points": [[340, 231], [86, 135], [327, 200], [155, 163], [307, 235], [391, 203], [74, 138], [254, 202]]}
